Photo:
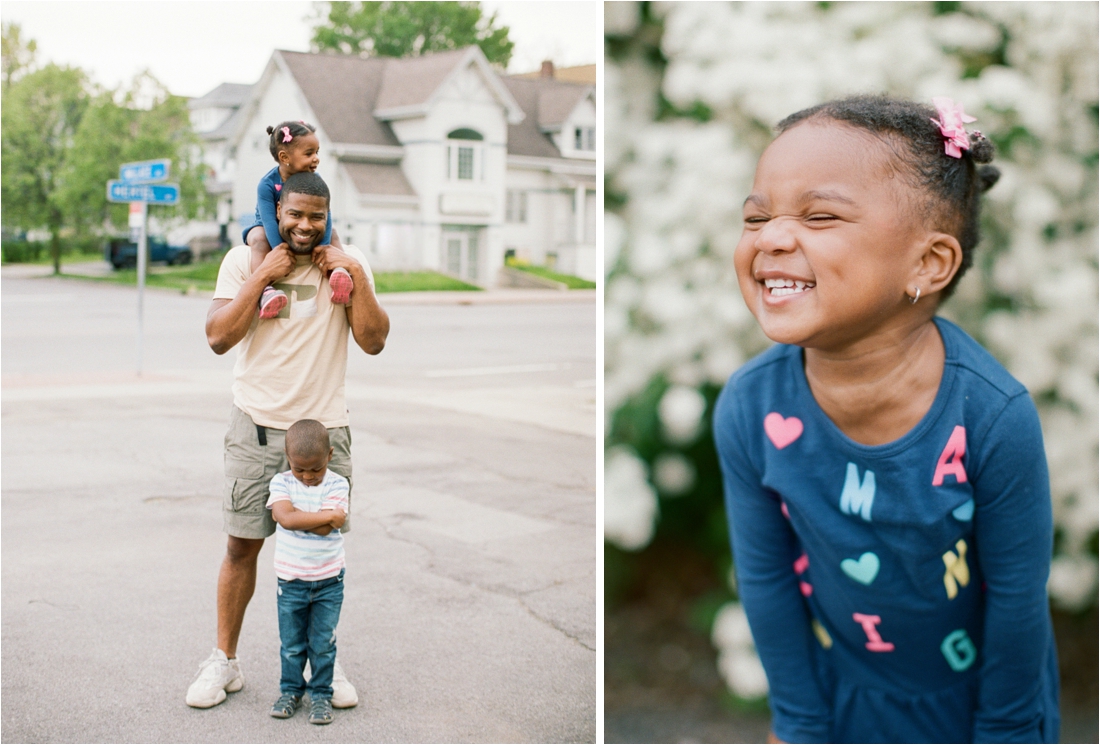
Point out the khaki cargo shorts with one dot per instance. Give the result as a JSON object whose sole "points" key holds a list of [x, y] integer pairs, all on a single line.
{"points": [[250, 466]]}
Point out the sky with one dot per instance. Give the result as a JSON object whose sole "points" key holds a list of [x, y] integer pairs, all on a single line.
{"points": [[192, 46]]}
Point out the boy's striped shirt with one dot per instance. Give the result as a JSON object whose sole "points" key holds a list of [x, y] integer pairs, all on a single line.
{"points": [[300, 554]]}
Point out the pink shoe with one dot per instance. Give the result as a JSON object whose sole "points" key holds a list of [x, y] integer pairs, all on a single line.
{"points": [[341, 284], [271, 302]]}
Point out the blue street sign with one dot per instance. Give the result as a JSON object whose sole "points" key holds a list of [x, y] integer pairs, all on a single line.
{"points": [[144, 171], [120, 191]]}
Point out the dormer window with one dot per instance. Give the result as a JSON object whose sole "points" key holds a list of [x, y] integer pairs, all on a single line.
{"points": [[465, 155], [584, 138]]}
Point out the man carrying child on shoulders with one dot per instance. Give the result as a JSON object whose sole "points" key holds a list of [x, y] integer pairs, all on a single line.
{"points": [[288, 368]]}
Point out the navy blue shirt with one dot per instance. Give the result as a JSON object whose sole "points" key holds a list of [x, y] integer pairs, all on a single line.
{"points": [[897, 592], [267, 195]]}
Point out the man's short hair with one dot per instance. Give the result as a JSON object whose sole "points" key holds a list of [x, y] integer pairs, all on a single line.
{"points": [[307, 438], [305, 182]]}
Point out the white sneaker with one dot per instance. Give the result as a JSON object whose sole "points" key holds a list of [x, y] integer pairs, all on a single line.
{"points": [[343, 692], [218, 675]]}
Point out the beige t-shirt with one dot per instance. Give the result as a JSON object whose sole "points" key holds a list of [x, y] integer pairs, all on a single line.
{"points": [[291, 367]]}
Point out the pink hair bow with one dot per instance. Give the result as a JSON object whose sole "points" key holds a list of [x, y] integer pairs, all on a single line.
{"points": [[288, 138], [951, 123]]}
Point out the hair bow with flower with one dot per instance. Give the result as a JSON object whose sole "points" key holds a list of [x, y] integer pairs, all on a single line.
{"points": [[287, 137], [951, 123]]}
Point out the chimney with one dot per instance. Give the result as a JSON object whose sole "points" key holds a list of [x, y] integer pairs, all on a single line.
{"points": [[547, 70]]}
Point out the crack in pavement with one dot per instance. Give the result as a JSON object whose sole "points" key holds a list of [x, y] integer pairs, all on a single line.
{"points": [[500, 591]]}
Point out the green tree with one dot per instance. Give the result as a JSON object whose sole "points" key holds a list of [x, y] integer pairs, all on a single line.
{"points": [[144, 123], [409, 29], [41, 113], [18, 56]]}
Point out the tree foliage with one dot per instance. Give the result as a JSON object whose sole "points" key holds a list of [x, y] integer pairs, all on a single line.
{"points": [[41, 113], [64, 138], [18, 55], [409, 29]]}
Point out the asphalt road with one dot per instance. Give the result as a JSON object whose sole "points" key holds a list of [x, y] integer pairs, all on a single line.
{"points": [[470, 609]]}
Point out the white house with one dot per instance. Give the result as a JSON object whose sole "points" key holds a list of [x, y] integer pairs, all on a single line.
{"points": [[434, 162]]}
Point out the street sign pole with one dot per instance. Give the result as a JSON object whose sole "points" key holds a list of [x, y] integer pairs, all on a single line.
{"points": [[138, 229]]}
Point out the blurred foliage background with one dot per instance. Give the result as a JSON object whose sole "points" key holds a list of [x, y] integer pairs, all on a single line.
{"points": [[692, 93]]}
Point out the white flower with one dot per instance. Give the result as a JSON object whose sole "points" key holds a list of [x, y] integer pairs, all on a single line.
{"points": [[681, 411], [1073, 581], [630, 502], [673, 474], [743, 673]]}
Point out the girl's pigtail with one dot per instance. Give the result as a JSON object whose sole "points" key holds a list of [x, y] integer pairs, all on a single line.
{"points": [[271, 130]]}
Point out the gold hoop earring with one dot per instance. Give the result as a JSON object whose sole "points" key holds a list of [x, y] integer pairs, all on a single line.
{"points": [[913, 300]]}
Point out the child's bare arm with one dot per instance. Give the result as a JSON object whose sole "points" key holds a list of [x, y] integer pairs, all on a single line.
{"points": [[258, 248], [292, 518]]}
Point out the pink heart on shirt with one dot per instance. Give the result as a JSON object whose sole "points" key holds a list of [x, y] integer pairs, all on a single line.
{"points": [[782, 432], [278, 187]]}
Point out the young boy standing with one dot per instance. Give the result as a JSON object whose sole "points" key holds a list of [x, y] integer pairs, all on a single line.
{"points": [[309, 503]]}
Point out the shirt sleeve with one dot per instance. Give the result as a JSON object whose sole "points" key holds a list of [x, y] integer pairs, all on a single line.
{"points": [[1013, 534], [327, 240], [277, 491], [337, 497], [232, 273], [266, 197], [764, 548]]}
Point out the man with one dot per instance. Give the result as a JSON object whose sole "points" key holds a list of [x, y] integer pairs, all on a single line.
{"points": [[288, 368]]}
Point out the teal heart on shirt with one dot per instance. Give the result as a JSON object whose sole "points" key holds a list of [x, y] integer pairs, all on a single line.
{"points": [[964, 511], [863, 571]]}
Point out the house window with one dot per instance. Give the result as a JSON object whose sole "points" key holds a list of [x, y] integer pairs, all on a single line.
{"points": [[515, 206], [584, 138], [465, 156]]}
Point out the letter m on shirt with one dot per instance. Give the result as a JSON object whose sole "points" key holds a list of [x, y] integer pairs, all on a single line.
{"points": [[857, 498]]}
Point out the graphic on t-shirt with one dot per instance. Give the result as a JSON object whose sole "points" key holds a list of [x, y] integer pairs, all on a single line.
{"points": [[864, 570], [821, 634], [301, 297], [958, 573], [959, 650], [874, 640], [857, 498], [951, 459], [800, 566], [782, 432], [964, 511]]}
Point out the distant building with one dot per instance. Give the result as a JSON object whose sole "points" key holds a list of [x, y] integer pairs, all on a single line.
{"points": [[434, 162]]}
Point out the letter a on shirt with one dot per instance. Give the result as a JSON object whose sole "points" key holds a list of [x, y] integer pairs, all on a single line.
{"points": [[951, 459]]}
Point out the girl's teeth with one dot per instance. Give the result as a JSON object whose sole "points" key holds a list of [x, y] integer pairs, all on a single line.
{"points": [[780, 287]]}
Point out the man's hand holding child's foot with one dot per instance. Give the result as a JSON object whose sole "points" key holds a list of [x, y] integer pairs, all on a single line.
{"points": [[334, 261]]}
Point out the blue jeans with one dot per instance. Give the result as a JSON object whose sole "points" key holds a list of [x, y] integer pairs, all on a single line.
{"points": [[308, 613]]}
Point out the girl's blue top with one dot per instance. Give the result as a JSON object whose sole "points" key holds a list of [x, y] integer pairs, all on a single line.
{"points": [[267, 195], [896, 593]]}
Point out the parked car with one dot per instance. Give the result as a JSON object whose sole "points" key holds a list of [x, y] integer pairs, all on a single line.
{"points": [[122, 252]]}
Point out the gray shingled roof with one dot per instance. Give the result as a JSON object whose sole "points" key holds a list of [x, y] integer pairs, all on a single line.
{"points": [[225, 95], [379, 178], [342, 91], [412, 80], [546, 103], [345, 91]]}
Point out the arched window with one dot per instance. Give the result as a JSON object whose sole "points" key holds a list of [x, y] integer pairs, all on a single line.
{"points": [[465, 159]]}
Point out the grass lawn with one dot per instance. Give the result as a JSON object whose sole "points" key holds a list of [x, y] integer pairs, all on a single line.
{"points": [[573, 283], [203, 276]]}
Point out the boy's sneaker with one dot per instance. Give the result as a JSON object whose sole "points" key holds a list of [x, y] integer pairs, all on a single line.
{"points": [[271, 302], [285, 707], [320, 711], [341, 284], [218, 675], [343, 692]]}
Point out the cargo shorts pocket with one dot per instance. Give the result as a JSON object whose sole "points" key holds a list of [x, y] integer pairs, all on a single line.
{"points": [[245, 495]]}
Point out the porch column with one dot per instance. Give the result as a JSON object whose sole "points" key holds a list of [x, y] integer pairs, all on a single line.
{"points": [[578, 214]]}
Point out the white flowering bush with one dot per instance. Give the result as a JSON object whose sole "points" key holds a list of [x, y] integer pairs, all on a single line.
{"points": [[692, 91]]}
